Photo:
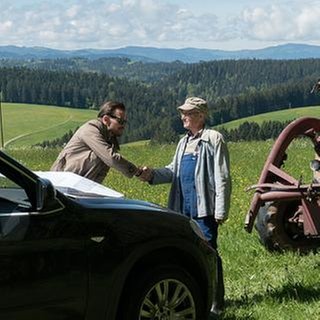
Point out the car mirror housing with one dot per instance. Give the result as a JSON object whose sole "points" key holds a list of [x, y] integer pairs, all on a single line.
{"points": [[46, 194]]}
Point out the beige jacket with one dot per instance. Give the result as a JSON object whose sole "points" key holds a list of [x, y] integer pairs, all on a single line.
{"points": [[91, 152]]}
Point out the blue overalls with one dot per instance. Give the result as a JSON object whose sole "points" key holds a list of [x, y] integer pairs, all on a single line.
{"points": [[189, 198], [208, 224]]}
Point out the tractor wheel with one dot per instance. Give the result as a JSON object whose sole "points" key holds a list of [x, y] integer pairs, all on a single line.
{"points": [[278, 232]]}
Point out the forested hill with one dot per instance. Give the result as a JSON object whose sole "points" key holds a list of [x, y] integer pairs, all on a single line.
{"points": [[233, 88], [115, 67], [243, 88]]}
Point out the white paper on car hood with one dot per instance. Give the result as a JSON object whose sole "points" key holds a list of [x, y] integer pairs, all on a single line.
{"points": [[73, 181]]}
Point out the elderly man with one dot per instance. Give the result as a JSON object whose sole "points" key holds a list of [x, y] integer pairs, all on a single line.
{"points": [[93, 149], [199, 175]]}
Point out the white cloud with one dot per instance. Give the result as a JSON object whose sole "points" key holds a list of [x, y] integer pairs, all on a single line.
{"points": [[297, 22], [308, 23], [72, 24], [6, 26], [73, 11], [113, 8]]}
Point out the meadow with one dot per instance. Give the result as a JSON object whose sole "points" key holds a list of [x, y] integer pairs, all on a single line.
{"points": [[281, 115], [28, 124], [259, 284]]}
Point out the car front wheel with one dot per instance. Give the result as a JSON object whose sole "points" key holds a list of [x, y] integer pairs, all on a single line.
{"points": [[163, 293]]}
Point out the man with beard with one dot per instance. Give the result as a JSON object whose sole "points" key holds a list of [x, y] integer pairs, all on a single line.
{"points": [[93, 149]]}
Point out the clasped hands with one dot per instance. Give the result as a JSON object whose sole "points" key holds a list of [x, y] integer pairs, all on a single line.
{"points": [[146, 174]]}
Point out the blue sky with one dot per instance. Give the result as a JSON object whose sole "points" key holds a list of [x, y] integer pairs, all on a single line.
{"points": [[213, 24]]}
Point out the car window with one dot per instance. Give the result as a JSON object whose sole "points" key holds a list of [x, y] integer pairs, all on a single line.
{"points": [[12, 196], [14, 204]]}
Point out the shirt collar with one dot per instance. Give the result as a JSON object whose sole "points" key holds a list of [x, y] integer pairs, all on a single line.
{"points": [[195, 136]]}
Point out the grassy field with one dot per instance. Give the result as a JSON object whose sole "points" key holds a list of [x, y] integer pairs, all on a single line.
{"points": [[259, 284], [282, 115], [26, 124]]}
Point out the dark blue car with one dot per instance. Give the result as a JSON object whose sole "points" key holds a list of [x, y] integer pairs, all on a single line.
{"points": [[73, 249]]}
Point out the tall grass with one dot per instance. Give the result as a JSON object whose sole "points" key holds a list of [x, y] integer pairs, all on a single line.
{"points": [[259, 284]]}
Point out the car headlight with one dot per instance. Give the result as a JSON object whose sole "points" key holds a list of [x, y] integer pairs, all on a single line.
{"points": [[197, 230]]}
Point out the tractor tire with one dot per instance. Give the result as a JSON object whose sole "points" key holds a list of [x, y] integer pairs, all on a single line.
{"points": [[276, 231]]}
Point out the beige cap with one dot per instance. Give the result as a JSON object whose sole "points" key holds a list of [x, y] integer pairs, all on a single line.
{"points": [[194, 103]]}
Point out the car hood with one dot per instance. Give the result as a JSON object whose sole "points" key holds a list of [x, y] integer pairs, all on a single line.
{"points": [[94, 195], [121, 204]]}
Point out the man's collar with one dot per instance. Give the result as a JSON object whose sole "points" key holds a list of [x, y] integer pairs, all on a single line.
{"points": [[196, 135]]}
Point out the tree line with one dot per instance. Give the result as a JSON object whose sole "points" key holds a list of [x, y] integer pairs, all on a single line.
{"points": [[247, 131], [252, 131], [119, 67], [233, 88]]}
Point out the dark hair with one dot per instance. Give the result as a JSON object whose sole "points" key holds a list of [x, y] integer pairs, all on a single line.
{"points": [[108, 108]]}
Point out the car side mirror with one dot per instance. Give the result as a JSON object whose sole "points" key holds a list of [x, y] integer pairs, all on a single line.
{"points": [[315, 165], [46, 194]]}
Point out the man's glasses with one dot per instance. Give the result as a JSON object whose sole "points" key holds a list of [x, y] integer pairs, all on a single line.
{"points": [[121, 121]]}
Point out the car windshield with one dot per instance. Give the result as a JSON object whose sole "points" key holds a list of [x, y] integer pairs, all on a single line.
{"points": [[72, 184], [11, 192]]}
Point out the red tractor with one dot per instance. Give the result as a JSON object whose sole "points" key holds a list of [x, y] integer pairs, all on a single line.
{"points": [[287, 212]]}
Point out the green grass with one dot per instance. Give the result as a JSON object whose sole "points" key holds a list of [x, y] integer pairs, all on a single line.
{"points": [[26, 124], [282, 115], [259, 284]]}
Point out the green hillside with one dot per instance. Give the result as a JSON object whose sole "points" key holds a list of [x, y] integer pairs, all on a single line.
{"points": [[282, 115], [27, 124], [234, 89]]}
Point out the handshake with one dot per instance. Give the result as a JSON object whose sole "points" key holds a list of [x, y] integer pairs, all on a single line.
{"points": [[144, 174]]}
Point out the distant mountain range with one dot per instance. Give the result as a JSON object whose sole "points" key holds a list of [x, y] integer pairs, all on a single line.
{"points": [[150, 54]]}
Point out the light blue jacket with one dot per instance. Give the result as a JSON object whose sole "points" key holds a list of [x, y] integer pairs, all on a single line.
{"points": [[212, 176]]}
